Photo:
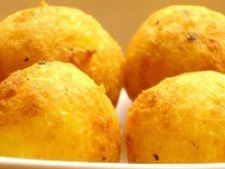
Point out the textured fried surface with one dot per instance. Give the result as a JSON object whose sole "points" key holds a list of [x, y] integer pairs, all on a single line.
{"points": [[174, 40], [54, 111], [64, 34], [180, 120]]}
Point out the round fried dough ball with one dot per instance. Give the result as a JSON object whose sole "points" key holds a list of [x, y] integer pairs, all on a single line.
{"points": [[174, 40], [53, 111], [64, 34], [180, 120]]}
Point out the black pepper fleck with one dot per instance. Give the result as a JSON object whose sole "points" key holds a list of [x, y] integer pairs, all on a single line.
{"points": [[192, 37], [27, 79], [26, 59], [156, 157], [103, 158], [41, 63]]}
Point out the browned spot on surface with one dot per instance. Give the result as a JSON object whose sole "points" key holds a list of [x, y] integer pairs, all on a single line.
{"points": [[24, 16], [130, 149], [212, 45], [31, 107], [191, 36], [102, 148], [31, 110], [154, 98], [102, 123], [8, 94], [129, 142], [81, 57]]}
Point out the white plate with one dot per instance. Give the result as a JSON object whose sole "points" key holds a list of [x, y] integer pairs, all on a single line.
{"points": [[124, 103], [14, 163]]}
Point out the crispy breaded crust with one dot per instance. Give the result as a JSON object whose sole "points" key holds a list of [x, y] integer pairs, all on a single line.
{"points": [[174, 40], [180, 120], [63, 34], [53, 111]]}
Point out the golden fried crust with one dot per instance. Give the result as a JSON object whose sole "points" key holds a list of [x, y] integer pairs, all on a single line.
{"points": [[174, 40], [53, 111], [64, 34], [180, 120]]}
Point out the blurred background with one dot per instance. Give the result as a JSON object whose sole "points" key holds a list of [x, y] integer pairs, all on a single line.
{"points": [[121, 18]]}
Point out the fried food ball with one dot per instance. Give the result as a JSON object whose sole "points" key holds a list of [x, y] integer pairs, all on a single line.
{"points": [[174, 40], [180, 120], [63, 34], [53, 111]]}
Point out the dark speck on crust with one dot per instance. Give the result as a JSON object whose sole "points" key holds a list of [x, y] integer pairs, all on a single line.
{"points": [[103, 158], [26, 59], [192, 37], [156, 157], [41, 63]]}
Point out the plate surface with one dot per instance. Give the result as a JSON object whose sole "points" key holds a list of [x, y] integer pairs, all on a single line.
{"points": [[14, 163]]}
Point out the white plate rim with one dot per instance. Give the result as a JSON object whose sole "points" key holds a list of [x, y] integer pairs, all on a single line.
{"points": [[19, 163]]}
